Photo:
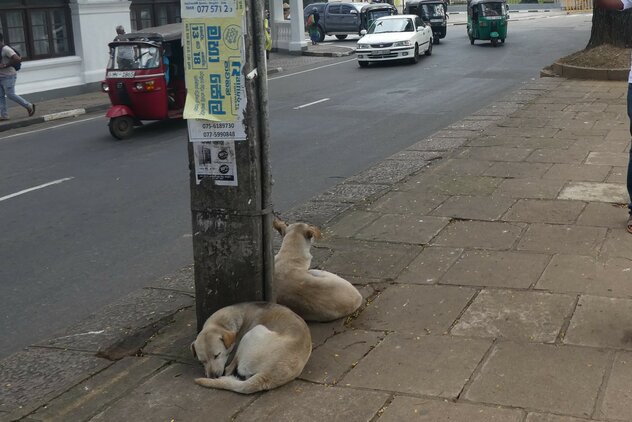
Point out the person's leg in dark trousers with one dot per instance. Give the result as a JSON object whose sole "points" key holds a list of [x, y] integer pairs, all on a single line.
{"points": [[629, 179]]}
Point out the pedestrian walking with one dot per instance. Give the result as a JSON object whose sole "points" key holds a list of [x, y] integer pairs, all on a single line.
{"points": [[312, 26], [8, 75], [624, 5]]}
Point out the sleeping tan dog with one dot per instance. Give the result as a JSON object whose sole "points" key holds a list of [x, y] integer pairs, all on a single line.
{"points": [[269, 345], [313, 294]]}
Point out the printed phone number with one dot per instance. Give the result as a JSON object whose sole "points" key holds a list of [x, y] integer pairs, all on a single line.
{"points": [[219, 134], [214, 8], [218, 125]]}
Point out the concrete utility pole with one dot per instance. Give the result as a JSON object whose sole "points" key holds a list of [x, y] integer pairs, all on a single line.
{"points": [[232, 225]]}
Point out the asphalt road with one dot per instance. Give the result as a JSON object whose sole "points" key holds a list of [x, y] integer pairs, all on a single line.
{"points": [[118, 216]]}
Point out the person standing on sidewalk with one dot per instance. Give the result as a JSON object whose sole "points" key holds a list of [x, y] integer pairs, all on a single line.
{"points": [[624, 5], [312, 26], [8, 75]]}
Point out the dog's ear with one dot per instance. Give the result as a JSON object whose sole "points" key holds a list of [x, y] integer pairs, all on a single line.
{"points": [[313, 232], [279, 226], [228, 337], [193, 350]]}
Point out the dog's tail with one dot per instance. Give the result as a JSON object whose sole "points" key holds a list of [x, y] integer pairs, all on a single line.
{"points": [[257, 382]]}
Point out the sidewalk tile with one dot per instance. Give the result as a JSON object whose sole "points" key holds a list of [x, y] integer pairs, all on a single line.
{"points": [[528, 132], [545, 211], [429, 266], [519, 141], [369, 259], [618, 242], [424, 410], [329, 362], [530, 188], [426, 365], [480, 234], [415, 309], [516, 270], [519, 122], [552, 239], [616, 403], [601, 322], [415, 229], [547, 417], [86, 399], [601, 214], [33, 375], [595, 192], [494, 153], [350, 223], [406, 203], [172, 395], [619, 134], [608, 158], [578, 172], [561, 156], [322, 331], [474, 207], [306, 402], [515, 315], [458, 167], [549, 378], [452, 185], [588, 275], [521, 170], [618, 175]]}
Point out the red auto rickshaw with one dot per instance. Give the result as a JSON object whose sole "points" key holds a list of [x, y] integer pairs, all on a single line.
{"points": [[145, 78]]}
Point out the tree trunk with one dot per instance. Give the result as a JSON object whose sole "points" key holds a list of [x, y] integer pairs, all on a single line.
{"points": [[611, 27]]}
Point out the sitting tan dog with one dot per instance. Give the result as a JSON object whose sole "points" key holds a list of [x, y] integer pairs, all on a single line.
{"points": [[269, 345], [313, 294]]}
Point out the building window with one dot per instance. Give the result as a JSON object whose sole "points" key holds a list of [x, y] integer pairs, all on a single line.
{"points": [[150, 13], [37, 29]]}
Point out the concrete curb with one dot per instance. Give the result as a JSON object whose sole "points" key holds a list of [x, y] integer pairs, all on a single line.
{"points": [[577, 72], [328, 53], [53, 116]]}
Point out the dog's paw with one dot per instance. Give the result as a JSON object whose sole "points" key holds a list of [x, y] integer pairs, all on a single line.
{"points": [[202, 381]]}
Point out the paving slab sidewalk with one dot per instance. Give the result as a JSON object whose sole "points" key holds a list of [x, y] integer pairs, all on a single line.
{"points": [[497, 282]]}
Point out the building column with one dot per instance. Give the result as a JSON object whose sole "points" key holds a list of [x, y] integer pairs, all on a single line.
{"points": [[298, 42], [94, 25]]}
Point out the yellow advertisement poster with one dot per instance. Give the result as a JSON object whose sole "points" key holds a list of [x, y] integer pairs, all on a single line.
{"points": [[214, 58]]}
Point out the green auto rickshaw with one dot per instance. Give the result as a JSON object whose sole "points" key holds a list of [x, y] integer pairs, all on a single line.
{"points": [[487, 20]]}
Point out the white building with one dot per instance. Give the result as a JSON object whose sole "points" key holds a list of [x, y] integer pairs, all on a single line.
{"points": [[63, 43]]}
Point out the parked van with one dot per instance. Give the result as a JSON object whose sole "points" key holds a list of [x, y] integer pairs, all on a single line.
{"points": [[342, 19]]}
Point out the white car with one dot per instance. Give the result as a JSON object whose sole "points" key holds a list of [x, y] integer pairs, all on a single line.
{"points": [[398, 37]]}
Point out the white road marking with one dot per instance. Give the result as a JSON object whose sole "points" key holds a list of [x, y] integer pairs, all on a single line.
{"points": [[22, 192], [311, 70], [312, 103], [49, 127]]}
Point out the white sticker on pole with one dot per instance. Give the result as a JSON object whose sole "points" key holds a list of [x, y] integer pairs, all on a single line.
{"points": [[211, 8], [206, 130], [216, 161]]}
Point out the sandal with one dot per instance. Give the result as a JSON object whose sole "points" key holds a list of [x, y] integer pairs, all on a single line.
{"points": [[32, 110], [630, 224]]}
